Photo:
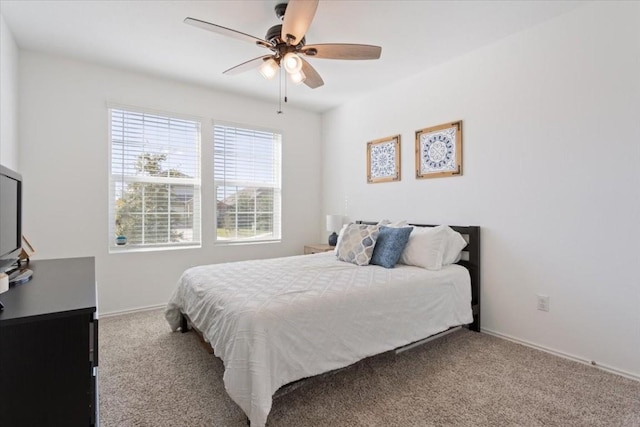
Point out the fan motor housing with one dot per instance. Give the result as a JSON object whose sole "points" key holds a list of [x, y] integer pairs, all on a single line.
{"points": [[274, 36], [280, 10]]}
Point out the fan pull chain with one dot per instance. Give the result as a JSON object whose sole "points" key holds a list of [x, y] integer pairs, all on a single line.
{"points": [[280, 91], [285, 87]]}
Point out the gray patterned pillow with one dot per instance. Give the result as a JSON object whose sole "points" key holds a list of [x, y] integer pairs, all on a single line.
{"points": [[357, 243]]}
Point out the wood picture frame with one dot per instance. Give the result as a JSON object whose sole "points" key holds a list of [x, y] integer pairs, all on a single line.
{"points": [[383, 160], [439, 151]]}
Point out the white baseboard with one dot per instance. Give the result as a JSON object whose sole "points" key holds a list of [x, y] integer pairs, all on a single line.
{"points": [[132, 310], [610, 369]]}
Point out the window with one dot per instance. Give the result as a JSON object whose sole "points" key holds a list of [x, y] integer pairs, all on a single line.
{"points": [[247, 173], [155, 181]]}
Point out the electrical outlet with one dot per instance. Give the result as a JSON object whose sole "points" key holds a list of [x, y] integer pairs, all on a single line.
{"points": [[543, 302]]}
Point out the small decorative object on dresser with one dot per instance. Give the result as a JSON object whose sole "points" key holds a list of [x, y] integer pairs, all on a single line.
{"points": [[334, 224], [383, 160], [27, 250], [4, 286], [439, 151], [316, 249]]}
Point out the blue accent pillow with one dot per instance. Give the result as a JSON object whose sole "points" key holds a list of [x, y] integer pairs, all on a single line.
{"points": [[389, 246]]}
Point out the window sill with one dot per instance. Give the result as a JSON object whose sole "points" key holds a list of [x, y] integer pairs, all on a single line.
{"points": [[245, 242], [129, 249]]}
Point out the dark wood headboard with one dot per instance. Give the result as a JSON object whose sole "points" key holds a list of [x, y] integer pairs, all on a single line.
{"points": [[470, 260]]}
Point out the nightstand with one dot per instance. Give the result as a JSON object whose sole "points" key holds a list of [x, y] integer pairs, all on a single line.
{"points": [[317, 248]]}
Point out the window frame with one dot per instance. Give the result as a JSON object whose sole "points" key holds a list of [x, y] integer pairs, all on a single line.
{"points": [[276, 185], [115, 179]]}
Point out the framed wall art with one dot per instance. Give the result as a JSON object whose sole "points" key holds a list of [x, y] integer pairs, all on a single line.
{"points": [[383, 160], [439, 151]]}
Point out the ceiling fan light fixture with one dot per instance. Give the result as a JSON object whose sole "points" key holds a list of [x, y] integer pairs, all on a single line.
{"points": [[298, 77], [292, 63], [287, 45], [269, 69]]}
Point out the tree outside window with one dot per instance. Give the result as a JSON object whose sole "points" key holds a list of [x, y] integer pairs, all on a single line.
{"points": [[155, 180]]}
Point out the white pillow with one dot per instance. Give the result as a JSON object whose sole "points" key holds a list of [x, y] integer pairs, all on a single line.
{"points": [[454, 246], [426, 247]]}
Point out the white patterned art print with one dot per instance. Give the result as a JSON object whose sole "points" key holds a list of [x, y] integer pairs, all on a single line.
{"points": [[383, 160], [439, 151]]}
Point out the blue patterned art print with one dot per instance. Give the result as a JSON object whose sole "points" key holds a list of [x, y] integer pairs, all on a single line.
{"points": [[438, 151], [384, 160]]}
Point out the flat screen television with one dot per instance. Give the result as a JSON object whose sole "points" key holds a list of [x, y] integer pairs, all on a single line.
{"points": [[10, 217]]}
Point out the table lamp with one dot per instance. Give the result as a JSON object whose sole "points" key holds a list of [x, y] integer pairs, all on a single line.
{"points": [[334, 223]]}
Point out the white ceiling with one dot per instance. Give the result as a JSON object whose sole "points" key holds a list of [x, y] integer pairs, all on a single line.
{"points": [[149, 36]]}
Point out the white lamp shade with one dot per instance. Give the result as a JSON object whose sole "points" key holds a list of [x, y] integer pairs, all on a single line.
{"points": [[298, 77], [334, 223], [269, 68], [292, 63]]}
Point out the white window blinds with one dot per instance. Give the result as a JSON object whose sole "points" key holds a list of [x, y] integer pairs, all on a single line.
{"points": [[155, 180], [247, 179]]}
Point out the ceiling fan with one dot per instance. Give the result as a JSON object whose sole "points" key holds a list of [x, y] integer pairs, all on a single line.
{"points": [[288, 46]]}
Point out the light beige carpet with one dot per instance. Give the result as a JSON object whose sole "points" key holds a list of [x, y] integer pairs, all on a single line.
{"points": [[152, 377]]}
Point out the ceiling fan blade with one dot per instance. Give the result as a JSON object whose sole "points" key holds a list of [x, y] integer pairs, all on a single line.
{"points": [[313, 79], [246, 66], [342, 51], [226, 32], [297, 19]]}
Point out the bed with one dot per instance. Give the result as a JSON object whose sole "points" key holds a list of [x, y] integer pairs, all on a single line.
{"points": [[276, 321]]}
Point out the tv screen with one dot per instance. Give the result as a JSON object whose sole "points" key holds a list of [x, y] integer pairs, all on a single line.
{"points": [[10, 217]]}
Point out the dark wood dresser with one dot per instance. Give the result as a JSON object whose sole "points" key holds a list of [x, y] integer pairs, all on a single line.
{"points": [[49, 346]]}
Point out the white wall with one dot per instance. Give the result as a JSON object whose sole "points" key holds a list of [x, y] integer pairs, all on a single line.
{"points": [[8, 97], [551, 152], [64, 162]]}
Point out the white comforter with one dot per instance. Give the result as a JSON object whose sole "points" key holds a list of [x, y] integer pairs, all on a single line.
{"points": [[279, 320]]}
